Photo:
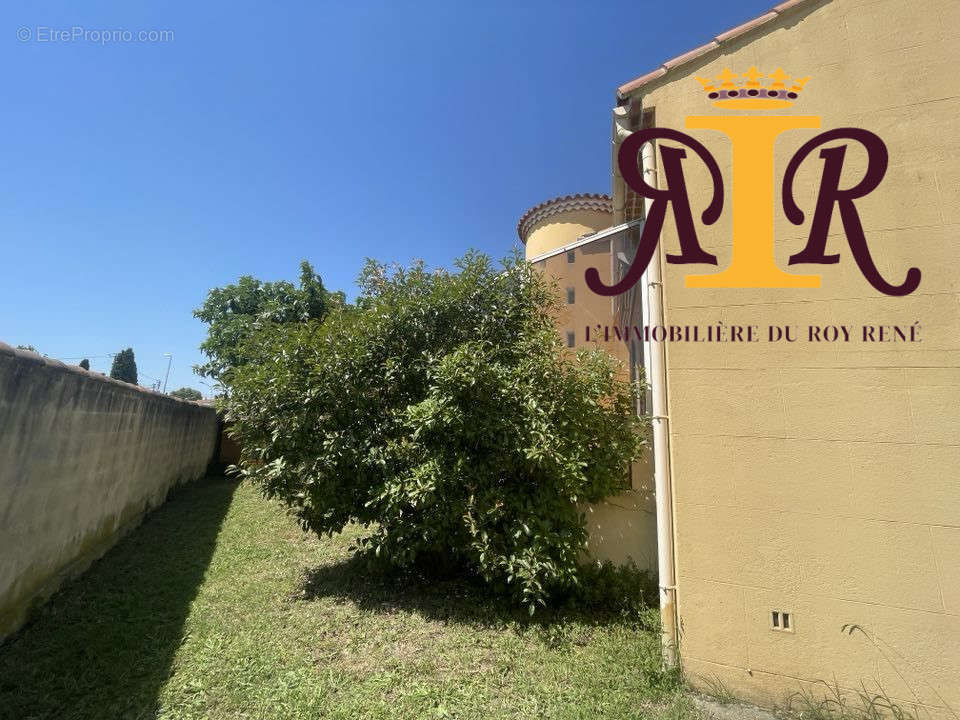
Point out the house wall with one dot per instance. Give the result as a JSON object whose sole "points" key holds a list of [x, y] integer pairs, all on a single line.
{"points": [[623, 528], [823, 479], [82, 458]]}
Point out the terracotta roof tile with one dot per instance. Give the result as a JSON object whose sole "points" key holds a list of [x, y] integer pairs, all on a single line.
{"points": [[644, 79], [564, 203], [687, 56], [784, 6], [723, 37], [744, 27]]}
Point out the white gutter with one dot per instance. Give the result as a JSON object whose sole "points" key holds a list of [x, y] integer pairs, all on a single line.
{"points": [[586, 240], [655, 358]]}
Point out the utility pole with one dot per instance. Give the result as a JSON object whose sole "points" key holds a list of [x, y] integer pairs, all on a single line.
{"points": [[169, 360]]}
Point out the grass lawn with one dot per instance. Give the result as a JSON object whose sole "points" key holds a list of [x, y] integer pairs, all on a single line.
{"points": [[218, 606]]}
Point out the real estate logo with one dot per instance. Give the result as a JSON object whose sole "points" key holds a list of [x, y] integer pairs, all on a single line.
{"points": [[752, 138]]}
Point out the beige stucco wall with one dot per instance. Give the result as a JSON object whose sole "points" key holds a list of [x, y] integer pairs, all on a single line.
{"points": [[562, 229], [622, 529], [823, 480], [82, 457]]}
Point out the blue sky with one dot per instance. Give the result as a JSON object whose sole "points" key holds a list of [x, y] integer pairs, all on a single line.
{"points": [[137, 175]]}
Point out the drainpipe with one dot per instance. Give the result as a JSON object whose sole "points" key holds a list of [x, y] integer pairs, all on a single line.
{"points": [[652, 284], [654, 362]]}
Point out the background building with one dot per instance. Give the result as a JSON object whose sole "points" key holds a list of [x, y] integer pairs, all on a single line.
{"points": [[563, 237]]}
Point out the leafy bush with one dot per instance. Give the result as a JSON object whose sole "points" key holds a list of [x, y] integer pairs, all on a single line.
{"points": [[85, 364], [623, 589], [239, 311], [443, 415], [187, 393]]}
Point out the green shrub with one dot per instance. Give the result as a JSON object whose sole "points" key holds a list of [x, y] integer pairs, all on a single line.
{"points": [[237, 312], [443, 414], [187, 393], [625, 590]]}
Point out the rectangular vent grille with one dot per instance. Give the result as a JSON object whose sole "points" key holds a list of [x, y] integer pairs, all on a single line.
{"points": [[781, 621]]}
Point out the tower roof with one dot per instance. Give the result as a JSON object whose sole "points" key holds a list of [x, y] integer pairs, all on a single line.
{"points": [[564, 203]]}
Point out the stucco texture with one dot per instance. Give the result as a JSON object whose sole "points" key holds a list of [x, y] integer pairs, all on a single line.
{"points": [[563, 228], [82, 458], [821, 479]]}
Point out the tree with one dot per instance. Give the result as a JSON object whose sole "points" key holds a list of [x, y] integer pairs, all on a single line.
{"points": [[124, 367], [85, 364], [444, 416], [31, 348], [238, 311], [187, 393]]}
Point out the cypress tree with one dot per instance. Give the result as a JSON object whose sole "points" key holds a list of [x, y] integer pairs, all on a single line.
{"points": [[124, 367]]}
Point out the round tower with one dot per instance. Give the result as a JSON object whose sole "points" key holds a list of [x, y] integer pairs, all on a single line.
{"points": [[561, 221]]}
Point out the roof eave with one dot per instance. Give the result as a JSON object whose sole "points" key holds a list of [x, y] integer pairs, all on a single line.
{"points": [[725, 37]]}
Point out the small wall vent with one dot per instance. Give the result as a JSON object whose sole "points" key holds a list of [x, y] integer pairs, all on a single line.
{"points": [[781, 621]]}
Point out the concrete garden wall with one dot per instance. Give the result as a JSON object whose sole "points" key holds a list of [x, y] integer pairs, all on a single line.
{"points": [[82, 458]]}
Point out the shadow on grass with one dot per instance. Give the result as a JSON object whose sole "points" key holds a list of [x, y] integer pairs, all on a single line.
{"points": [[103, 646], [453, 598]]}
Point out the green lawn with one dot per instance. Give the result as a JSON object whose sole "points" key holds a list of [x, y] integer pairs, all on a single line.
{"points": [[218, 606]]}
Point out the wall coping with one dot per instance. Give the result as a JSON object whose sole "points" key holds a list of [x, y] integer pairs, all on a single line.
{"points": [[60, 366]]}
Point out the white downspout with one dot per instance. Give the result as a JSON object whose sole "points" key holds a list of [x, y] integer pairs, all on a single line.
{"points": [[654, 363], [655, 355]]}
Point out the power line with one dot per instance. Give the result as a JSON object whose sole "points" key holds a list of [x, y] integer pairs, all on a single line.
{"points": [[89, 357]]}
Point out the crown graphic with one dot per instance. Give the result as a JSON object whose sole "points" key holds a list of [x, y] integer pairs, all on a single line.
{"points": [[752, 93]]}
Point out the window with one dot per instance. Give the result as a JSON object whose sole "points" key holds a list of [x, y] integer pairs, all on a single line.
{"points": [[571, 295], [571, 338], [571, 256]]}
